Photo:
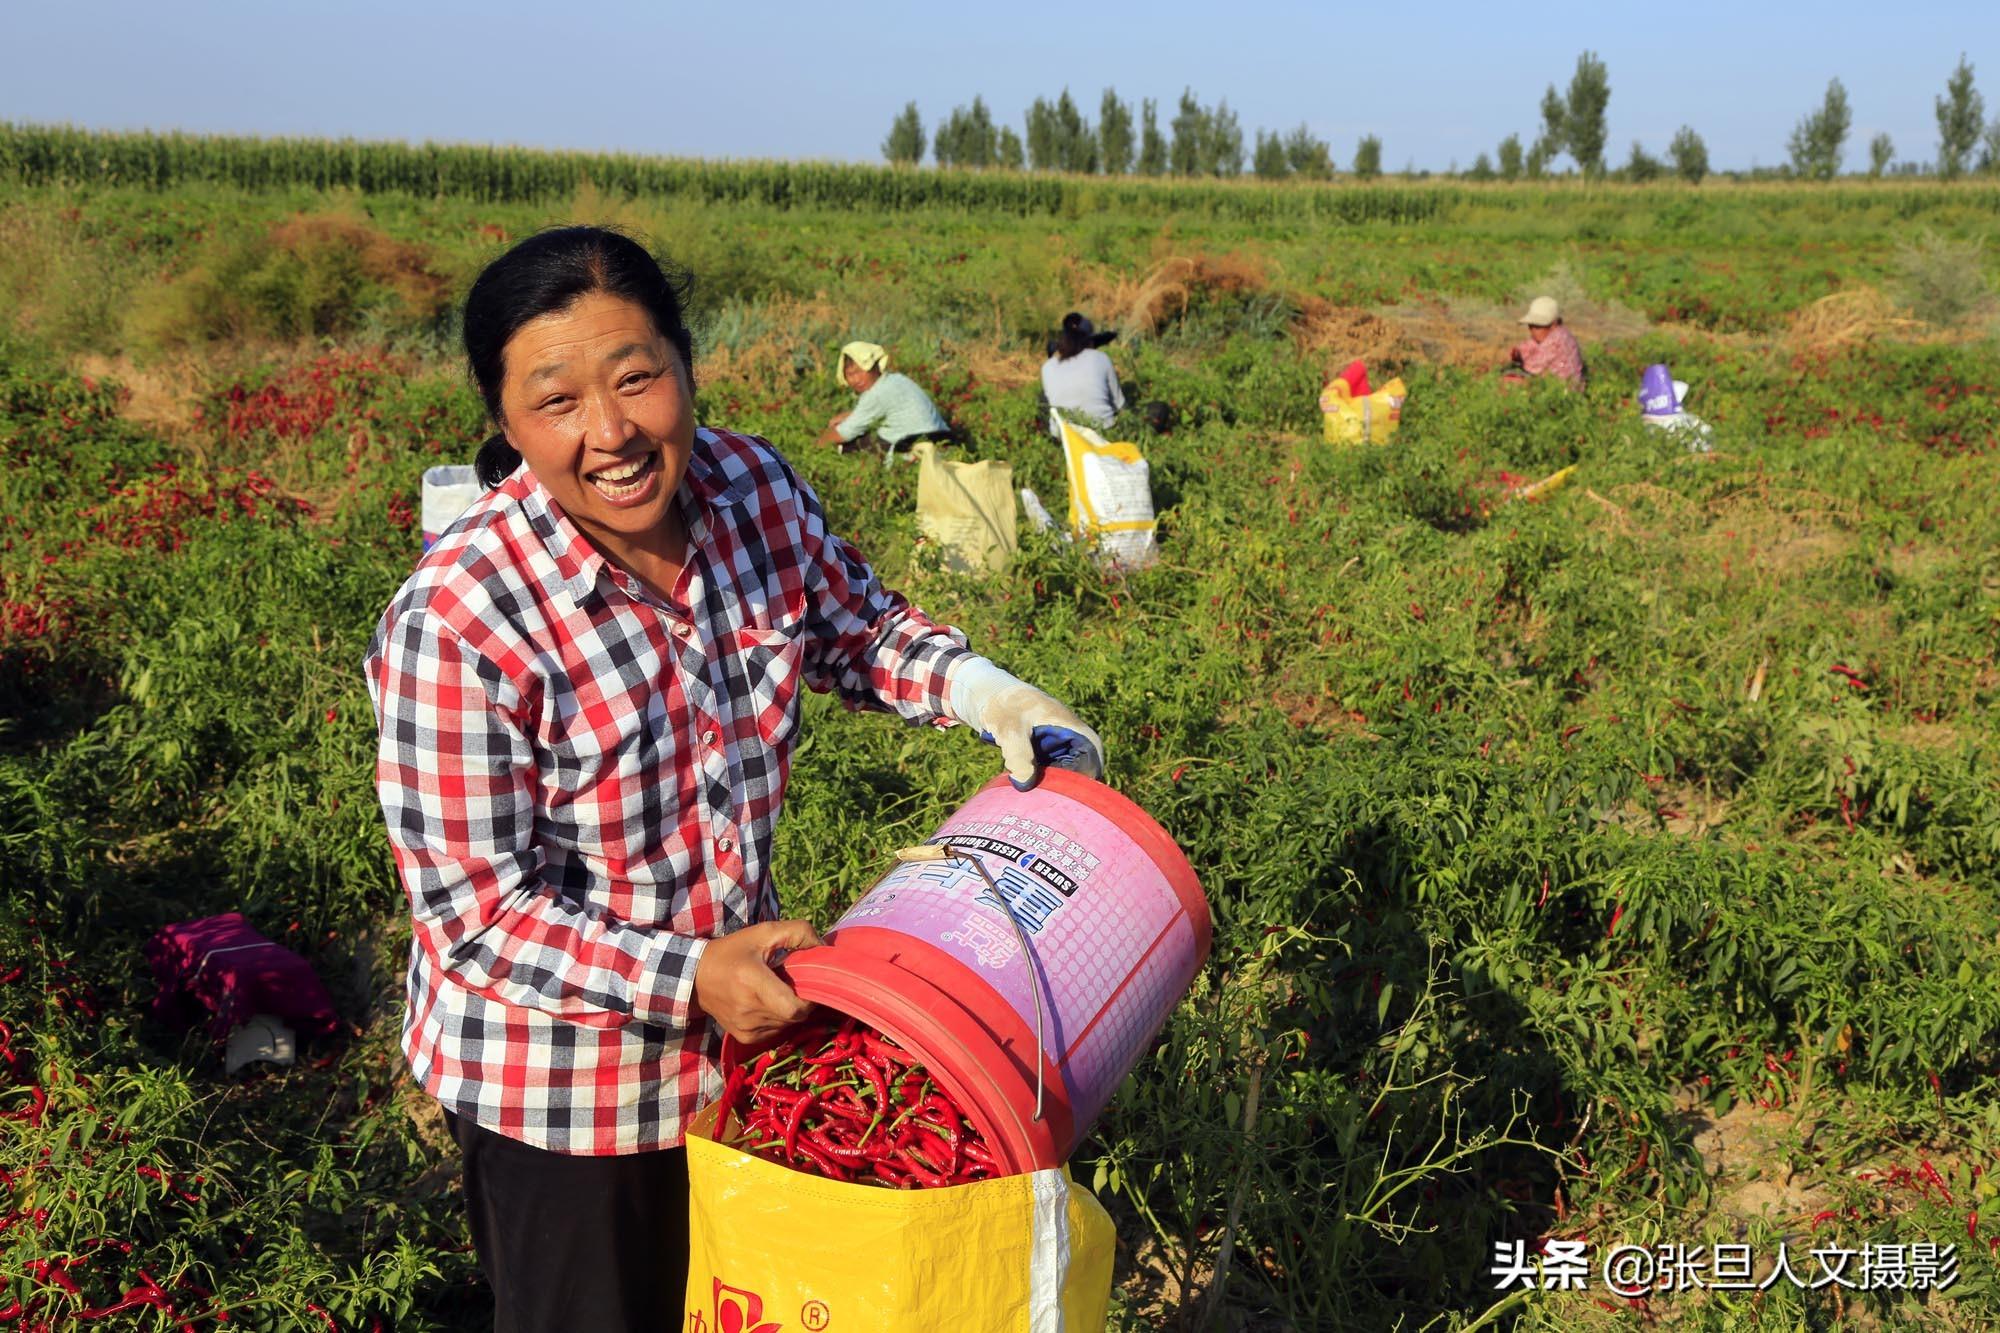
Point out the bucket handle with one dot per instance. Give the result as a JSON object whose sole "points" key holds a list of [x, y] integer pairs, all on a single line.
{"points": [[944, 851]]}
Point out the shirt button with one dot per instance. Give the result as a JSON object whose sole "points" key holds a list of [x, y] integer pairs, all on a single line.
{"points": [[681, 630], [708, 737], [725, 845]]}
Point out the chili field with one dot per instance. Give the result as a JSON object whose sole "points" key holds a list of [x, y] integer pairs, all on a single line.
{"points": [[1618, 864]]}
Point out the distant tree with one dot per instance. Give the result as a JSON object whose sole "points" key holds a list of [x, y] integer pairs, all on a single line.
{"points": [[982, 136], [1076, 145], [1881, 151], [1223, 154], [1689, 154], [1482, 169], [1152, 144], [1959, 114], [1554, 136], [1642, 166], [1190, 130], [1583, 113], [905, 144], [1510, 158], [1816, 144], [968, 137], [1007, 152], [1368, 157], [1044, 150], [1989, 149], [1114, 134], [1268, 162], [1536, 164], [1308, 155]]}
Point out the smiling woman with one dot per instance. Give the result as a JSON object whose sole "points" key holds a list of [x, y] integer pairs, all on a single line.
{"points": [[587, 695], [586, 364]]}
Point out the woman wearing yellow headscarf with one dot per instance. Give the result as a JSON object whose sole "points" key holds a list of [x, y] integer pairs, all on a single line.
{"points": [[891, 405]]}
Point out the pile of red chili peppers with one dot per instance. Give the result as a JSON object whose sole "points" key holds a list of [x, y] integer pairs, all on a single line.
{"points": [[844, 1102]]}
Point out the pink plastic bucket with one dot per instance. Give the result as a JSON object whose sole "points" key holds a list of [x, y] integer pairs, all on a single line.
{"points": [[1116, 926]]}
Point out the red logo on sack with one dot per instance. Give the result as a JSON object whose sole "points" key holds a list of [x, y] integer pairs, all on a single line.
{"points": [[739, 1311]]}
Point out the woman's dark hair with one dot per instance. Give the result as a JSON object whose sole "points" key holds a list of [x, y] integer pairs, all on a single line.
{"points": [[1078, 334], [548, 273]]}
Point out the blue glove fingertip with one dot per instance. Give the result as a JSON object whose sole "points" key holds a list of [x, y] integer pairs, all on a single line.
{"points": [[1060, 747]]}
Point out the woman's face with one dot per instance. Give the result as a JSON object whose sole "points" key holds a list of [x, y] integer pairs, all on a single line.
{"points": [[1539, 332], [598, 403]]}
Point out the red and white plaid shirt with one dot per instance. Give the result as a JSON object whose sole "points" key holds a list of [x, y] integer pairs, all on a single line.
{"points": [[1557, 354], [581, 782]]}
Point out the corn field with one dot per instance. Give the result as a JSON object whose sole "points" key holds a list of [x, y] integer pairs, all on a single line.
{"points": [[43, 155]]}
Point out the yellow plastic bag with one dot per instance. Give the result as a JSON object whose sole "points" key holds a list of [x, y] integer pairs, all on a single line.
{"points": [[1371, 419], [1110, 496], [967, 509], [777, 1251]]}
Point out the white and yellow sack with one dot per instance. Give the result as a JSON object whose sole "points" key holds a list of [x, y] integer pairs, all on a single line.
{"points": [[1110, 496], [967, 509], [774, 1250], [1370, 419]]}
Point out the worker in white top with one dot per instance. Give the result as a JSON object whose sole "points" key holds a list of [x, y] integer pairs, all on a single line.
{"points": [[1078, 378], [893, 406]]}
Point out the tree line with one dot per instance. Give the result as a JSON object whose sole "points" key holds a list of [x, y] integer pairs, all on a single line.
{"points": [[1197, 140], [1202, 140]]}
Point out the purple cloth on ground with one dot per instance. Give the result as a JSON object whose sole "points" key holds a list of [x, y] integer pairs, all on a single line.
{"points": [[223, 965]]}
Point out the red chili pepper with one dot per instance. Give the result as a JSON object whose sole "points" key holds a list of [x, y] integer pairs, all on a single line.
{"points": [[793, 1122], [871, 1071], [923, 1172], [827, 1166], [838, 1151], [38, 1101], [884, 1052]]}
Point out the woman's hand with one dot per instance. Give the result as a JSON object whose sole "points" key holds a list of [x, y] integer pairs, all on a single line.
{"points": [[1033, 730], [735, 986], [831, 435]]}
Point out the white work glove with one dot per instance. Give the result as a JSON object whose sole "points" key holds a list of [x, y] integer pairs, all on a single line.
{"points": [[1033, 730]]}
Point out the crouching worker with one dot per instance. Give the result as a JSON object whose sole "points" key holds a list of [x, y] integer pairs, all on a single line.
{"points": [[1078, 379], [1550, 349], [891, 405], [588, 701]]}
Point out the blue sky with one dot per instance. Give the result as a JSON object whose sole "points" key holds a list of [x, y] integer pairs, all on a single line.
{"points": [[824, 80]]}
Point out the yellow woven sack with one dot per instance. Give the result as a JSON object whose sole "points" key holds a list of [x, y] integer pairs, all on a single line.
{"points": [[1110, 496], [777, 1251], [967, 509], [1371, 419]]}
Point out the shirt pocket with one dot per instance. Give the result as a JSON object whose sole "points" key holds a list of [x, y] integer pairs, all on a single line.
{"points": [[761, 671]]}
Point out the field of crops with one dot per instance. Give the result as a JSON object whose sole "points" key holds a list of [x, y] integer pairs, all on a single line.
{"points": [[1616, 865]]}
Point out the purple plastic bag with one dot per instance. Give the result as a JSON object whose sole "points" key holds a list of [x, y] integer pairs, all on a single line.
{"points": [[222, 965], [1656, 392]]}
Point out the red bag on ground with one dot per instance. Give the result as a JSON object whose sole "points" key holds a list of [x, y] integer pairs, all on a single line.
{"points": [[223, 965]]}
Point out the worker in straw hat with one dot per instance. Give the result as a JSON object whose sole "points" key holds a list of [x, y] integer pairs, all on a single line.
{"points": [[893, 406], [1551, 348]]}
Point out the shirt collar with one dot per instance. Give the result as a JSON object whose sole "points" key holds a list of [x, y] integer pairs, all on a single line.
{"points": [[709, 486]]}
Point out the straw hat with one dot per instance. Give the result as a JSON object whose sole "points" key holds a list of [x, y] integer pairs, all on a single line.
{"points": [[1542, 311]]}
